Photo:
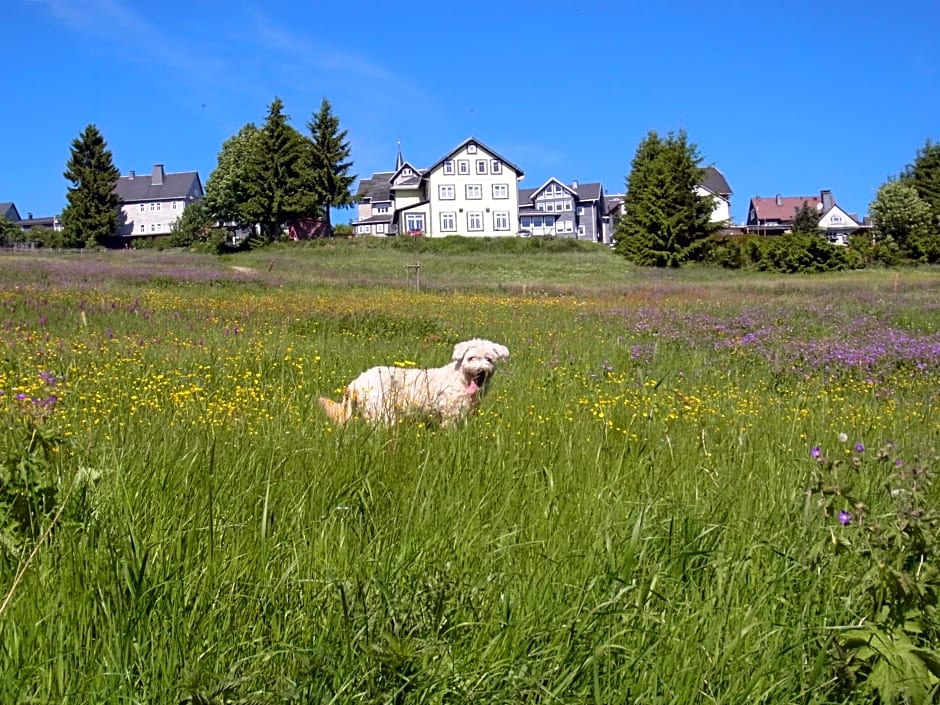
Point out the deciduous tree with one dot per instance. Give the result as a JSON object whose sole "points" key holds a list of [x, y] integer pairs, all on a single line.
{"points": [[330, 160], [900, 215], [227, 188], [91, 216]]}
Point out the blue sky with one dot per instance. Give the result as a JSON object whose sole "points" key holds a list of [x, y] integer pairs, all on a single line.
{"points": [[784, 98]]}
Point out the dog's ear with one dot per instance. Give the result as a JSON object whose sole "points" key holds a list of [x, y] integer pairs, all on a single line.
{"points": [[501, 351], [460, 349]]}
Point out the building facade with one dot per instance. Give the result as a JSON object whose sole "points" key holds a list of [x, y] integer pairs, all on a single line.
{"points": [[150, 205], [472, 190]]}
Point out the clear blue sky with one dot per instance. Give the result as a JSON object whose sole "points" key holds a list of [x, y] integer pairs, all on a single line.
{"points": [[784, 98]]}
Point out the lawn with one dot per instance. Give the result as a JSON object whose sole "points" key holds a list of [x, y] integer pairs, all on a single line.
{"points": [[684, 487]]}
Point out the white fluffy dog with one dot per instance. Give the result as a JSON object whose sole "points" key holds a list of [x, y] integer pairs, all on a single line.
{"points": [[442, 395]]}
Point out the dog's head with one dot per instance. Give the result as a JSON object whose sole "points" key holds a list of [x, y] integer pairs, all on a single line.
{"points": [[476, 359]]}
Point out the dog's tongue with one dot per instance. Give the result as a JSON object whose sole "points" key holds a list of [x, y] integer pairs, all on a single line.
{"points": [[472, 388]]}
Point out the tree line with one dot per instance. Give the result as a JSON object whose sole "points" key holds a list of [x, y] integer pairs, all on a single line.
{"points": [[665, 223], [269, 175], [265, 177]]}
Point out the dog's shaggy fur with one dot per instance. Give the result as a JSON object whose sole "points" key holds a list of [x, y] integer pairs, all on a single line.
{"points": [[442, 395]]}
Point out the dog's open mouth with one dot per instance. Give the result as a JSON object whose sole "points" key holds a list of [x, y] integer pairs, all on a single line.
{"points": [[476, 382]]}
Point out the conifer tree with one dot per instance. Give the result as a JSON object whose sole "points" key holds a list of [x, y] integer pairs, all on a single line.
{"points": [[330, 160], [663, 215], [924, 176], [91, 216], [279, 178], [806, 220]]}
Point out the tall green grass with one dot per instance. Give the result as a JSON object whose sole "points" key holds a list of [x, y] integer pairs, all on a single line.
{"points": [[625, 520]]}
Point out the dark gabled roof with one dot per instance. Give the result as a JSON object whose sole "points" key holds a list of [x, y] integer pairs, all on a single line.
{"points": [[525, 195], [8, 210], [715, 181], [134, 188], [45, 222], [589, 192], [478, 143], [376, 187], [613, 202]]}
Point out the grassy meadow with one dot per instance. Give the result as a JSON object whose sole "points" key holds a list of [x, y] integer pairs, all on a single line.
{"points": [[684, 486]]}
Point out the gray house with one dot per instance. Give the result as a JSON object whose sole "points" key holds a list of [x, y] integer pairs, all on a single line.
{"points": [[149, 205], [8, 211], [375, 207], [557, 209]]}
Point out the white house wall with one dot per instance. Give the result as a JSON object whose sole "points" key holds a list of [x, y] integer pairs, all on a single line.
{"points": [[150, 217], [466, 209], [722, 210]]}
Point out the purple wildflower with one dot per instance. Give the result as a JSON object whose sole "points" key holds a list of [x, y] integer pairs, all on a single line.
{"points": [[815, 452], [21, 397], [845, 518], [859, 447]]}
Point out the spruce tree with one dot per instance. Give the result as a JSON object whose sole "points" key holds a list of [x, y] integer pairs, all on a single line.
{"points": [[330, 160], [806, 220], [279, 179], [924, 176], [91, 216], [663, 215]]}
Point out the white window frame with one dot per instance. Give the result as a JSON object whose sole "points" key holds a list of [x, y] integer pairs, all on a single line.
{"points": [[448, 222], [474, 216], [471, 149], [580, 231], [500, 216], [496, 166], [142, 208], [143, 228], [500, 191], [474, 192], [446, 192], [380, 228], [463, 166], [580, 210], [448, 166], [414, 222], [481, 167]]}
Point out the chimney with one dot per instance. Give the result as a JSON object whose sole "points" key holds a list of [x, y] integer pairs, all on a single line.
{"points": [[826, 198], [29, 216], [157, 178], [132, 175], [574, 185], [779, 200]]}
